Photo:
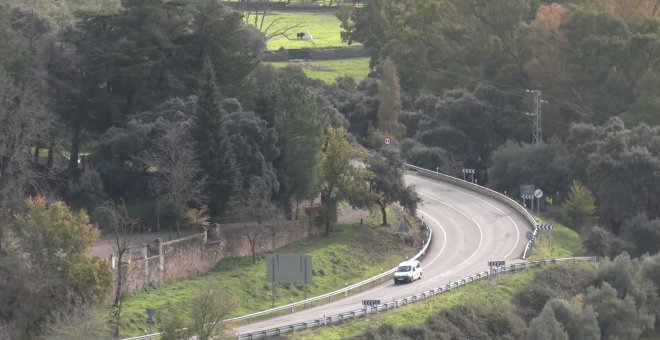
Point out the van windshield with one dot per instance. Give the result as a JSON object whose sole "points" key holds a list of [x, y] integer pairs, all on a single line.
{"points": [[403, 269]]}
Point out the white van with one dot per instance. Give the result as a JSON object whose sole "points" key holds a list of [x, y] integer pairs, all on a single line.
{"points": [[408, 271]]}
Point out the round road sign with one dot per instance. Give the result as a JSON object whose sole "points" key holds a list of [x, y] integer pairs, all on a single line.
{"points": [[538, 193], [387, 140]]}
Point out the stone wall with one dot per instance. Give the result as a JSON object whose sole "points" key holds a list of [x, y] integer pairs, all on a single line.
{"points": [[198, 254]]}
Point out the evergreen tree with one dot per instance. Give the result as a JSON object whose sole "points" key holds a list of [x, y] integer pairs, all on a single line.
{"points": [[388, 185], [546, 326], [389, 110], [212, 145], [340, 179], [618, 318], [300, 126], [580, 206]]}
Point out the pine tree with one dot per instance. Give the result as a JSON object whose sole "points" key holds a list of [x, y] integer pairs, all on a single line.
{"points": [[212, 145], [580, 206]]}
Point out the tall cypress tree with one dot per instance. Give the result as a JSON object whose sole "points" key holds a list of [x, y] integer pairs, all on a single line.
{"points": [[212, 145], [389, 110], [300, 126]]}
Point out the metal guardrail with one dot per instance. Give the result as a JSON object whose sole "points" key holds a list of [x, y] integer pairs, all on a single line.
{"points": [[338, 318], [446, 178], [483, 190], [343, 291], [309, 302]]}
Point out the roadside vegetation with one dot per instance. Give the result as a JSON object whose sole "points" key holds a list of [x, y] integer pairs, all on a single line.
{"points": [[564, 301], [489, 293], [350, 254], [560, 242], [179, 120]]}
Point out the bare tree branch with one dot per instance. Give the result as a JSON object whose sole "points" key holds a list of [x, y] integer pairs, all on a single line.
{"points": [[123, 228]]}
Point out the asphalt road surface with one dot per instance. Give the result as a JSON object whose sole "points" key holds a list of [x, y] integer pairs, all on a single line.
{"points": [[469, 230]]}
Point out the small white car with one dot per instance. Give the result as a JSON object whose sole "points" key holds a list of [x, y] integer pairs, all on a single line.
{"points": [[408, 271]]}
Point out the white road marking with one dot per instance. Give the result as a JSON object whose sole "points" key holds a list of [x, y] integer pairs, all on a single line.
{"points": [[444, 233], [481, 232], [494, 207]]}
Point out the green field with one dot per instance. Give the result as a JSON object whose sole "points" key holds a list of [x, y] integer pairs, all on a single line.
{"points": [[351, 254], [323, 27], [330, 70]]}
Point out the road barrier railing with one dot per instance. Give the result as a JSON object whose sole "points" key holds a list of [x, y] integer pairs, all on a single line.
{"points": [[317, 300], [339, 318], [358, 287], [485, 191], [341, 293]]}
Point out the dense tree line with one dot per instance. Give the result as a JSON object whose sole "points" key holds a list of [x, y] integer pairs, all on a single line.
{"points": [[164, 105], [153, 111], [465, 68]]}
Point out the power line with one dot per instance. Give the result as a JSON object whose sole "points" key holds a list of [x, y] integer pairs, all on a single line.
{"points": [[499, 108], [536, 125], [505, 87]]}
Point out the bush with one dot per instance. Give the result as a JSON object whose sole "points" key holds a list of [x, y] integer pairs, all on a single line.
{"points": [[477, 322], [601, 242], [562, 281], [88, 192]]}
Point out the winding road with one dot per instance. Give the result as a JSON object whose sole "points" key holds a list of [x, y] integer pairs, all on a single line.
{"points": [[469, 229]]}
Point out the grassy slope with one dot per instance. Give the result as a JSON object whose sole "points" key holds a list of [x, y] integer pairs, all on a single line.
{"points": [[351, 254], [483, 292], [560, 242], [330, 70], [323, 27]]}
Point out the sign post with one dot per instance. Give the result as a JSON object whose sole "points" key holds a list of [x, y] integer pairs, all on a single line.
{"points": [[403, 229], [538, 193], [497, 265], [288, 268], [527, 192], [545, 228], [370, 303], [151, 312], [469, 171]]}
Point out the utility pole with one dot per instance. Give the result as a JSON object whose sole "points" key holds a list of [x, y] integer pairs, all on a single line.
{"points": [[536, 122]]}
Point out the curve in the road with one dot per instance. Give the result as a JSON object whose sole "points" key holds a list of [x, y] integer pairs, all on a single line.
{"points": [[470, 229]]}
